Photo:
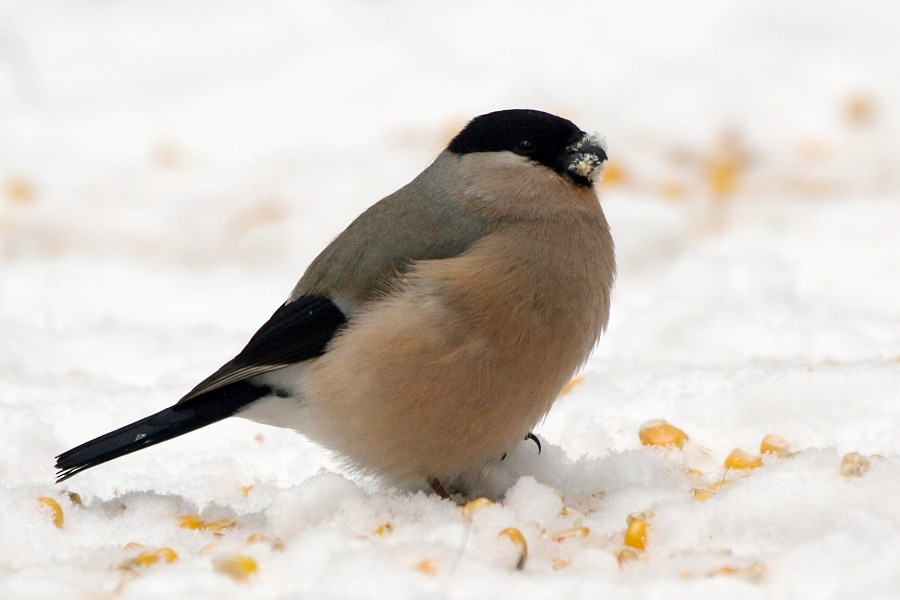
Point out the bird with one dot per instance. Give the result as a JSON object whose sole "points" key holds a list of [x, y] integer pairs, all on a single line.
{"points": [[435, 331]]}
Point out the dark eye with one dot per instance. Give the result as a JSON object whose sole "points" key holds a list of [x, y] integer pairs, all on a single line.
{"points": [[525, 147]]}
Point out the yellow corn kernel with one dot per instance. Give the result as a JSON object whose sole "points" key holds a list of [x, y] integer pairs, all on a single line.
{"points": [[738, 459], [428, 567], [195, 522], [571, 385], [661, 433], [559, 563], [773, 444], [714, 486], [245, 490], [570, 533], [853, 464], [219, 524], [636, 532], [703, 494], [384, 528], [133, 546], [516, 537], [190, 522], [167, 554], [209, 547], [146, 558], [613, 174], [20, 190], [626, 555], [693, 472], [472, 505], [256, 538], [54, 509], [237, 566]]}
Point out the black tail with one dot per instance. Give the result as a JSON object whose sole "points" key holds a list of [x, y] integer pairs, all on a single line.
{"points": [[176, 420]]}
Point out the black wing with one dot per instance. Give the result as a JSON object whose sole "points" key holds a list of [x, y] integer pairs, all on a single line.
{"points": [[299, 330]]}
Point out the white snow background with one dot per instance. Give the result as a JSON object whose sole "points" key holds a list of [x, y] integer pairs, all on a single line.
{"points": [[168, 169]]}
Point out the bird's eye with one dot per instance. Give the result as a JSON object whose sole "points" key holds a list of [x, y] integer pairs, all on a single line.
{"points": [[525, 147]]}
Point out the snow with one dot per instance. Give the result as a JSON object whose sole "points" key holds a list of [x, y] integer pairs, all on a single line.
{"points": [[168, 169]]}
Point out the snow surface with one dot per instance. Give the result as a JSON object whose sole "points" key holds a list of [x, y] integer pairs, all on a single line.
{"points": [[169, 168]]}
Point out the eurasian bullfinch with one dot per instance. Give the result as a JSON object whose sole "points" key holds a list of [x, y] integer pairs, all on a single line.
{"points": [[432, 334]]}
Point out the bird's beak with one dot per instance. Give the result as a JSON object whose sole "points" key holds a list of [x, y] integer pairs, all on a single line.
{"points": [[585, 158]]}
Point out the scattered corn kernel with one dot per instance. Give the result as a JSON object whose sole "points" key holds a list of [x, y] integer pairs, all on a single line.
{"points": [[237, 566], [570, 533], [255, 538], [613, 174], [167, 554], [774, 444], [714, 486], [626, 555], [384, 528], [661, 433], [428, 567], [853, 464], [636, 532], [245, 490], [20, 190], [54, 509], [75, 498], [703, 494], [693, 472], [219, 524], [571, 385], [209, 547], [151, 557], [195, 522], [738, 459], [559, 563], [190, 522], [146, 558], [472, 505], [518, 539], [133, 546]]}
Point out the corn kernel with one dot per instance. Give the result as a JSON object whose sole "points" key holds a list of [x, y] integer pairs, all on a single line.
{"points": [[518, 539], [219, 524], [693, 472], [133, 546], [237, 566], [245, 490], [167, 554], [636, 532], [702, 494], [209, 547], [472, 505], [626, 555], [773, 444], [75, 498], [714, 486], [20, 190], [54, 509], [256, 538], [570, 533], [613, 174], [146, 558], [661, 433], [738, 459], [428, 567], [195, 522], [190, 522], [384, 528], [571, 385], [559, 563], [853, 464]]}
